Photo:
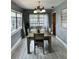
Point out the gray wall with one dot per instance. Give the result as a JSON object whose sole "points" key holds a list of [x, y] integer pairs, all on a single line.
{"points": [[59, 31], [50, 20], [16, 36]]}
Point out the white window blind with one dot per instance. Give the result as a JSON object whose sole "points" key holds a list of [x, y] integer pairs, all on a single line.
{"points": [[19, 20], [16, 21], [41, 21], [13, 21]]}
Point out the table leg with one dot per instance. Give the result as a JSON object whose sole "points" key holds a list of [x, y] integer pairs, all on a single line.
{"points": [[28, 45], [49, 41]]}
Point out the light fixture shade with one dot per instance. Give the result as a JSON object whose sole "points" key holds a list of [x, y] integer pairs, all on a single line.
{"points": [[43, 10], [35, 10]]}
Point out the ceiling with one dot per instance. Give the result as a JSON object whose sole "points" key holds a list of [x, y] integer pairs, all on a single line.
{"points": [[31, 4]]}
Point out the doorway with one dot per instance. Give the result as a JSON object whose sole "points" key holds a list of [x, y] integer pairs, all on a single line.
{"points": [[54, 24]]}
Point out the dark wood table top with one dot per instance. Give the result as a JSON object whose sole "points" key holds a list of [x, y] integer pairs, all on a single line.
{"points": [[45, 35]]}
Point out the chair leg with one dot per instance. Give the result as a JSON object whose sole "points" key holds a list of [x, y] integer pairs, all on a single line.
{"points": [[43, 48], [34, 48]]}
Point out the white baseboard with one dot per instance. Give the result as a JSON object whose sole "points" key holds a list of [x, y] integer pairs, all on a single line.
{"points": [[65, 45], [15, 46]]}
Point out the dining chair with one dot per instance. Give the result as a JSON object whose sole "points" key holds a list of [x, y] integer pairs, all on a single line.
{"points": [[39, 41]]}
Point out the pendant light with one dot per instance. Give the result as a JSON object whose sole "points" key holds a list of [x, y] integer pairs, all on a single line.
{"points": [[38, 9]]}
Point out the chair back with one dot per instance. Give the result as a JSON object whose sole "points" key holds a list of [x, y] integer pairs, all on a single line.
{"points": [[39, 36]]}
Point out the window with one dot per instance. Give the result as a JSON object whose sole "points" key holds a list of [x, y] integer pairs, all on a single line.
{"points": [[19, 20], [13, 21], [64, 18], [16, 21], [38, 20]]}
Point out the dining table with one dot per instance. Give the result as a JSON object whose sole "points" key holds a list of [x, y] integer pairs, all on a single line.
{"points": [[30, 37]]}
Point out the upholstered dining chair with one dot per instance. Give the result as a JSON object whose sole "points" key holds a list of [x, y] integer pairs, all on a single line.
{"points": [[39, 41]]}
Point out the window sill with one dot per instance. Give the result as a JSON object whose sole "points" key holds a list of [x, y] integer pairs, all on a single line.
{"points": [[15, 31]]}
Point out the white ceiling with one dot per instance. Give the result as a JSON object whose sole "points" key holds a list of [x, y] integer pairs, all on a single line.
{"points": [[31, 4]]}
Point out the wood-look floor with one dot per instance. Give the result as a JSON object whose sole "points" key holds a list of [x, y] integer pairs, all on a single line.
{"points": [[58, 51]]}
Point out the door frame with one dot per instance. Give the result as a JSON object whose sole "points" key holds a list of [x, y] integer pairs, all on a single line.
{"points": [[54, 23]]}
